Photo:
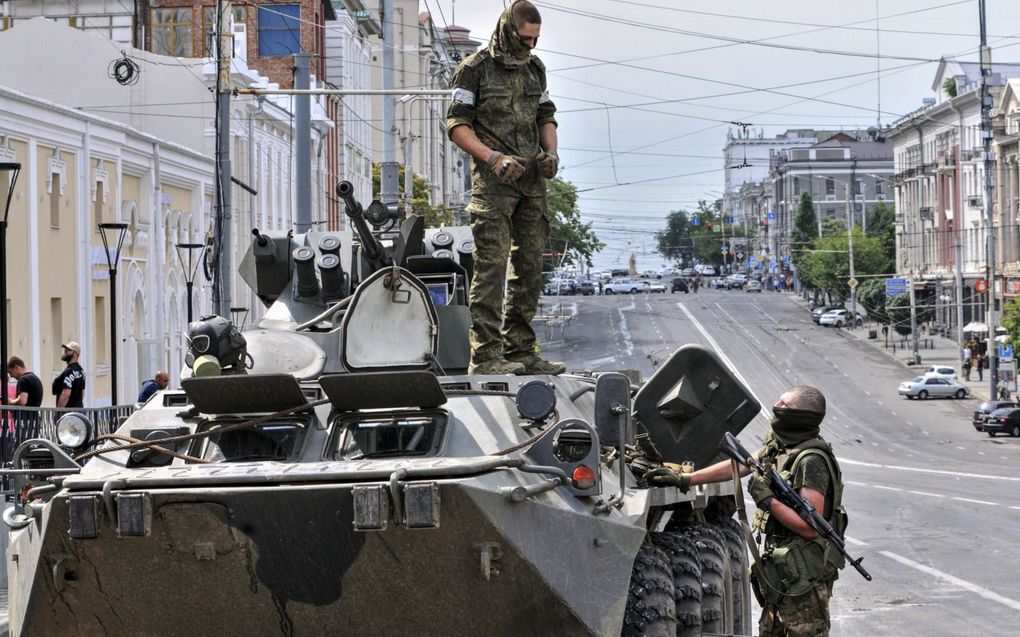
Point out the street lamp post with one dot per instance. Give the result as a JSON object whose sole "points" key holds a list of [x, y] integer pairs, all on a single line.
{"points": [[112, 259], [14, 169], [190, 267]]}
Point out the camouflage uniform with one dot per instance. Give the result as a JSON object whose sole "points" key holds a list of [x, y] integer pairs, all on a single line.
{"points": [[800, 608], [503, 98]]}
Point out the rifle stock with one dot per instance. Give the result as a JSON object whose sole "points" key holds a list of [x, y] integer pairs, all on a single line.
{"points": [[786, 494]]}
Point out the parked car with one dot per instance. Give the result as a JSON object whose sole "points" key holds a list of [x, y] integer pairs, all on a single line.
{"points": [[940, 371], [754, 285], [1005, 420], [621, 286], [839, 318], [680, 284], [987, 407], [562, 288], [688, 272], [923, 388], [652, 288], [818, 311], [586, 288]]}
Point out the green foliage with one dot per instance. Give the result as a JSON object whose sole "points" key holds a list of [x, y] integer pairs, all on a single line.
{"points": [[1011, 319], [435, 216], [871, 296], [683, 241], [675, 243], [898, 310], [949, 86], [566, 231], [827, 265], [802, 236], [882, 225]]}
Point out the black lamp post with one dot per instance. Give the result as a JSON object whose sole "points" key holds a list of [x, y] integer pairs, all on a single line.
{"points": [[14, 169], [112, 259], [190, 267]]}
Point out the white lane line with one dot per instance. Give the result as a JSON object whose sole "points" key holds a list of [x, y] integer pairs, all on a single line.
{"points": [[955, 581], [726, 359], [885, 488], [599, 361], [854, 541], [930, 495], [992, 504], [954, 474]]}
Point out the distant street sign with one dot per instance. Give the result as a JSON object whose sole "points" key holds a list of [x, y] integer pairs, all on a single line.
{"points": [[981, 285], [895, 286], [740, 256], [729, 219], [772, 216], [1005, 352], [852, 283], [695, 221]]}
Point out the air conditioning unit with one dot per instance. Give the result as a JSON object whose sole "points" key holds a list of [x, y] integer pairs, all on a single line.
{"points": [[858, 197], [974, 202], [880, 197]]}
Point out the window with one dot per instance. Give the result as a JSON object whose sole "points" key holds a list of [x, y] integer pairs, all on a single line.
{"points": [[102, 352], [55, 200], [171, 32], [97, 210], [209, 22], [56, 323], [879, 188], [279, 30], [858, 186], [830, 186]]}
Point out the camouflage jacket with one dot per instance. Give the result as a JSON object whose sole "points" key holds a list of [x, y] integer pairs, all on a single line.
{"points": [[505, 106]]}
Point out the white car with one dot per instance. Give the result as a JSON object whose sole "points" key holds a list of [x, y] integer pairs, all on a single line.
{"points": [[940, 371], [652, 288], [839, 318], [754, 285], [923, 388], [622, 286]]}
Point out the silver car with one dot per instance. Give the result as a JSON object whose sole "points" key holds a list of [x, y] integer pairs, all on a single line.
{"points": [[923, 388]]}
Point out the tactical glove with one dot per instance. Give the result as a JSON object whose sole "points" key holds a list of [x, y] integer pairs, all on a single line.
{"points": [[548, 164], [760, 491], [670, 475], [508, 168]]}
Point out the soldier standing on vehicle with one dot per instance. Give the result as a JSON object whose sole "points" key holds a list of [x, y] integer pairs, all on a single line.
{"points": [[794, 578], [502, 116]]}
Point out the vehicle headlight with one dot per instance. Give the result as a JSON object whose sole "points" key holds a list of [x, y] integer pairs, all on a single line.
{"points": [[73, 430]]}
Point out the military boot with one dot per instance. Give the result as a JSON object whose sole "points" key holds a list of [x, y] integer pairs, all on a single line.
{"points": [[495, 366], [535, 366]]}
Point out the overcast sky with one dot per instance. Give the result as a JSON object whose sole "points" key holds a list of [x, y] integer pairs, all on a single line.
{"points": [[641, 87]]}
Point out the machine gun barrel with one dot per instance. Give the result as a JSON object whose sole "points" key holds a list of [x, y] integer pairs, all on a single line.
{"points": [[369, 244], [786, 494]]}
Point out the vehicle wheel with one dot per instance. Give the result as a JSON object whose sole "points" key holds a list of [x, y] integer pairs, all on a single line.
{"points": [[923, 395], [741, 581], [961, 394], [991, 434], [604, 292], [633, 290], [683, 558], [839, 323], [715, 578], [651, 611], [1015, 431]]}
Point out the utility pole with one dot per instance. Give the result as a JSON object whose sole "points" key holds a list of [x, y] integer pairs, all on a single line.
{"points": [[986, 139], [959, 296], [223, 244], [850, 250], [302, 145], [388, 171]]}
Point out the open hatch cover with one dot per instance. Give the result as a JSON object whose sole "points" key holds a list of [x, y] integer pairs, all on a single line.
{"points": [[689, 403], [383, 390], [244, 393]]}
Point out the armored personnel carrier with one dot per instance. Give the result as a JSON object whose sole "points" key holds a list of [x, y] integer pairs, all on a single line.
{"points": [[335, 471]]}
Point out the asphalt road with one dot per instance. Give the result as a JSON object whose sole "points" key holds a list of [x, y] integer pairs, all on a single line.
{"points": [[934, 506]]}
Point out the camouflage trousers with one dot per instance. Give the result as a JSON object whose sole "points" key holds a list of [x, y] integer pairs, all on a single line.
{"points": [[806, 615], [502, 307]]}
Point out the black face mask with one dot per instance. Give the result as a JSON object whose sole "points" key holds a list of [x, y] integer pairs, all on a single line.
{"points": [[794, 426], [67, 358]]}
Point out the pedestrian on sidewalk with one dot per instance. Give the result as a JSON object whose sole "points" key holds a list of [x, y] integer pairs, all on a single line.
{"points": [[982, 363], [966, 368], [966, 351]]}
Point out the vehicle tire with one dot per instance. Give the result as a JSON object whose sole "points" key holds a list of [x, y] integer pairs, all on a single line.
{"points": [[991, 434], [651, 611], [633, 290], [961, 394], [741, 581], [1015, 431], [716, 594], [607, 291], [839, 323], [683, 558], [922, 395]]}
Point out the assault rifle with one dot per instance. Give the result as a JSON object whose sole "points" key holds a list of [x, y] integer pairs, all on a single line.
{"points": [[786, 494]]}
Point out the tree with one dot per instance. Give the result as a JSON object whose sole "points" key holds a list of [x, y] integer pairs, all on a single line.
{"points": [[871, 295], [827, 264], [567, 232], [674, 243], [898, 310], [435, 216], [882, 225], [1011, 319], [802, 236]]}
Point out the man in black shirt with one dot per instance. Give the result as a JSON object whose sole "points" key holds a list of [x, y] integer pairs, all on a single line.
{"points": [[69, 387], [30, 389]]}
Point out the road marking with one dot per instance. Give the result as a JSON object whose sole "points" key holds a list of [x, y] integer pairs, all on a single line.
{"points": [[956, 581], [885, 488], [954, 474], [854, 541], [993, 504], [599, 361], [930, 495]]}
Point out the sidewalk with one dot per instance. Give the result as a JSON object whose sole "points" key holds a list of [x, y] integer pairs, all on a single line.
{"points": [[933, 350]]}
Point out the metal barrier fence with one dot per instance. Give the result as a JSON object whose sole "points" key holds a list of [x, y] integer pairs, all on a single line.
{"points": [[24, 423]]}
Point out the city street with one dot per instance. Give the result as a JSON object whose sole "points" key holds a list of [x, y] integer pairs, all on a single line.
{"points": [[934, 506]]}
